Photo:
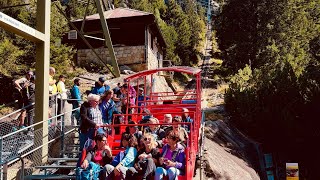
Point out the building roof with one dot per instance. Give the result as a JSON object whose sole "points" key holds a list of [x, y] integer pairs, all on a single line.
{"points": [[117, 13], [128, 15]]}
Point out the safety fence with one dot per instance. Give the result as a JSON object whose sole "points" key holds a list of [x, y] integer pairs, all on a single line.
{"points": [[21, 150]]}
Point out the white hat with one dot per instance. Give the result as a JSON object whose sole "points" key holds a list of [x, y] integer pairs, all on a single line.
{"points": [[93, 97]]}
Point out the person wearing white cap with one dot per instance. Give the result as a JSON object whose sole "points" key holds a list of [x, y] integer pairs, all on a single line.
{"points": [[91, 118], [19, 85], [186, 118]]}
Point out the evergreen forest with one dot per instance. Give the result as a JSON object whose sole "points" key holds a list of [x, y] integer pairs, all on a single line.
{"points": [[271, 60], [271, 53], [183, 28]]}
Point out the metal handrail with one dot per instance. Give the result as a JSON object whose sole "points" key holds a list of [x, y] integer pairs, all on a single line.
{"points": [[14, 112], [20, 130], [24, 155]]}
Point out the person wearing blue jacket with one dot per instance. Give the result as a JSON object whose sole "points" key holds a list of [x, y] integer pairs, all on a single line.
{"points": [[100, 87], [108, 107], [75, 94], [186, 118], [119, 171]]}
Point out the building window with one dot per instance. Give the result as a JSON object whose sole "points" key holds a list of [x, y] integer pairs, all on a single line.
{"points": [[152, 42], [72, 34]]}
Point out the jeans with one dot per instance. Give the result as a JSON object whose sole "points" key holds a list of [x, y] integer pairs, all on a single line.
{"points": [[75, 115], [172, 173], [109, 174], [147, 170], [85, 136]]}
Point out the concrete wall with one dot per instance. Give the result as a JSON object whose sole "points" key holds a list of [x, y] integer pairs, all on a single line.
{"points": [[152, 60], [132, 56], [125, 56], [155, 54]]}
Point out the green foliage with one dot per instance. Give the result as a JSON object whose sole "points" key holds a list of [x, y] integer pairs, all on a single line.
{"points": [[241, 80], [170, 36], [142, 5], [9, 55], [76, 9], [276, 100], [183, 28]]}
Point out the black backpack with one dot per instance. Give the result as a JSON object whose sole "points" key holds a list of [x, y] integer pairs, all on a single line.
{"points": [[70, 96]]}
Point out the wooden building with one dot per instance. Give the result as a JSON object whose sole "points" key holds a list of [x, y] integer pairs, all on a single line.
{"points": [[136, 38]]}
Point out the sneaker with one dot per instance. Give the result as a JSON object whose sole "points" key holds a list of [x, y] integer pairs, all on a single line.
{"points": [[14, 129], [30, 133]]}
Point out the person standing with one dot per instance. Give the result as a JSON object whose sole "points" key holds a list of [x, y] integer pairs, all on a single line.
{"points": [[91, 118], [76, 95], [19, 85], [62, 96], [52, 81], [28, 94], [108, 107], [52, 91], [186, 118], [99, 88], [141, 100]]}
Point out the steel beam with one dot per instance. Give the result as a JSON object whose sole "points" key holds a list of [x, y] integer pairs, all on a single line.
{"points": [[107, 37], [85, 40]]}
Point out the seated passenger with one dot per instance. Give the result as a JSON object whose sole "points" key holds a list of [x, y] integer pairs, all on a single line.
{"points": [[133, 130], [167, 119], [172, 160], [156, 131], [118, 171], [145, 119], [183, 134], [147, 160], [101, 154]]}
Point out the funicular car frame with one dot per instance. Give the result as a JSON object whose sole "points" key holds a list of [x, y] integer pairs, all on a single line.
{"points": [[153, 105]]}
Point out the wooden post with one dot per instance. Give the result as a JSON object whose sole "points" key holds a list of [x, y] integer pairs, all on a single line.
{"points": [[42, 79]]}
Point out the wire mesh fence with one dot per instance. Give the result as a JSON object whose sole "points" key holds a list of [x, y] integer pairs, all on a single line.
{"points": [[29, 143]]}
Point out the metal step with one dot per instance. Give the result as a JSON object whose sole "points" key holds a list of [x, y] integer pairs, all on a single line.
{"points": [[70, 152], [64, 159], [51, 176], [56, 166], [74, 145]]}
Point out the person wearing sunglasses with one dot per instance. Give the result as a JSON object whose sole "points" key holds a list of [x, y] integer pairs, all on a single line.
{"points": [[101, 154], [118, 170], [155, 130], [148, 158], [173, 159]]}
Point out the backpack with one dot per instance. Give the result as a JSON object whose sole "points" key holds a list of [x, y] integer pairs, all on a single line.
{"points": [[118, 158], [91, 173], [70, 96]]}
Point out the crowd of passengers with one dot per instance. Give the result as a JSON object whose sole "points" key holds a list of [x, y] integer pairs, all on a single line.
{"points": [[141, 157]]}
